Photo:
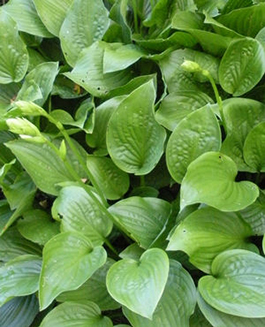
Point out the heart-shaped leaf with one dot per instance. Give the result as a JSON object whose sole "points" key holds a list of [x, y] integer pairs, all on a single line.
{"points": [[139, 285], [69, 259], [242, 66], [176, 304], [76, 314], [20, 311], [85, 23], [207, 232], [210, 179], [80, 213], [137, 215], [19, 277], [134, 139], [236, 286], [196, 134], [13, 52]]}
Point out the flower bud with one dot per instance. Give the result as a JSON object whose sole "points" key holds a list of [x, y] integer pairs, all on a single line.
{"points": [[28, 109], [22, 126], [191, 66]]}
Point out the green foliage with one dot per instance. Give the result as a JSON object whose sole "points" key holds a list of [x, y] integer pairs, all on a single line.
{"points": [[132, 140]]}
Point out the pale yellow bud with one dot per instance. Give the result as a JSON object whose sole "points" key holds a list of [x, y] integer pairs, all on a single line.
{"points": [[28, 109], [191, 66], [22, 126]]}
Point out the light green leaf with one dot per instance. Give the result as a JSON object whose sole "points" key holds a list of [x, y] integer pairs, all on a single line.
{"points": [[29, 22], [42, 77], [19, 277], [12, 245], [221, 319], [20, 311], [113, 182], [198, 319], [133, 251], [94, 289], [37, 226], [69, 259], [41, 163], [85, 23], [236, 286], [176, 304], [7, 92], [52, 13], [196, 134], [236, 4], [242, 115], [242, 66], [134, 139], [79, 212], [177, 105], [88, 72], [76, 314], [13, 52], [138, 215], [207, 232], [139, 285], [210, 179], [254, 148], [5, 213]]}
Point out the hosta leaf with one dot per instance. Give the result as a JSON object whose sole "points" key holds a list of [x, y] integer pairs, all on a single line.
{"points": [[69, 259], [42, 77], [37, 226], [242, 66], [88, 72], [113, 182], [29, 22], [20, 311], [13, 52], [85, 23], [137, 215], [254, 148], [139, 285], [241, 115], [7, 92], [19, 277], [79, 212], [134, 139], [196, 134], [76, 314], [221, 319], [236, 286], [52, 13], [198, 319], [94, 289], [176, 304], [178, 105], [207, 232], [210, 179], [41, 163]]}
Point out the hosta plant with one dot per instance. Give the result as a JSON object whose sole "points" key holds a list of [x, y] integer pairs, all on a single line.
{"points": [[132, 160]]}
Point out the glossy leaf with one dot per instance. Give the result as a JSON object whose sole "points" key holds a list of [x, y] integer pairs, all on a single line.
{"points": [[88, 72], [241, 115], [13, 52], [79, 212], [80, 314], [134, 139], [137, 215], [210, 179], [29, 22], [176, 304], [42, 164], [85, 23], [113, 182], [19, 277], [52, 13], [20, 311], [139, 285], [94, 289], [242, 66], [69, 259], [207, 232], [254, 148], [196, 134], [236, 284], [37, 226]]}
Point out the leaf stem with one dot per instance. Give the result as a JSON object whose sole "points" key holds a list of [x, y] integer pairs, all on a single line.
{"points": [[135, 16]]}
